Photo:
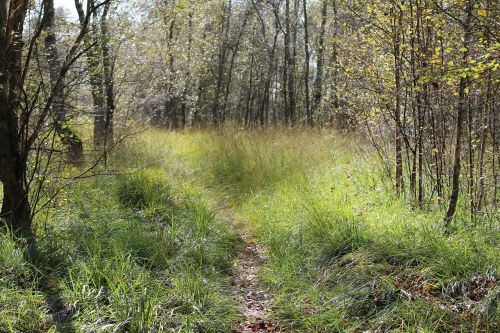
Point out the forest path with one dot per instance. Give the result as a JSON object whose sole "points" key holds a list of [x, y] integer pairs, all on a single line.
{"points": [[254, 300]]}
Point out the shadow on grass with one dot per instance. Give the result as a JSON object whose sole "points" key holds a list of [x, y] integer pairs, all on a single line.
{"points": [[60, 313]]}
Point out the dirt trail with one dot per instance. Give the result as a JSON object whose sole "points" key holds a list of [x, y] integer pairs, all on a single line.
{"points": [[254, 300]]}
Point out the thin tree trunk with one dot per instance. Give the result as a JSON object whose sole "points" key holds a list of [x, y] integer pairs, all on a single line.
{"points": [[234, 53], [471, 161], [249, 92], [293, 59], [310, 120], [266, 96], [93, 47], [106, 84], [68, 137], [289, 82], [225, 26], [170, 97], [461, 114], [318, 83], [484, 137], [397, 112], [188, 71]]}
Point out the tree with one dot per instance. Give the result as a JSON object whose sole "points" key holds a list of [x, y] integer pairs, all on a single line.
{"points": [[309, 115], [13, 154], [68, 137], [100, 70], [24, 110], [108, 73], [318, 83], [463, 90], [393, 67]]}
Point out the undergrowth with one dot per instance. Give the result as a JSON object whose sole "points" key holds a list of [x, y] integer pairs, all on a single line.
{"points": [[140, 251], [144, 251], [345, 255]]}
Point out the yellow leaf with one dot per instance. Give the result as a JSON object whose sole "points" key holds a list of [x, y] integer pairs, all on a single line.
{"points": [[482, 12]]}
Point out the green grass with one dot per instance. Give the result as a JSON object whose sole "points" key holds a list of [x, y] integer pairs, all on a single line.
{"points": [[244, 164], [143, 251], [345, 255], [137, 252]]}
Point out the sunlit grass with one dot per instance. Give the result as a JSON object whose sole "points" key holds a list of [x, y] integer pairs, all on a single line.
{"points": [[339, 241], [139, 251], [143, 250]]}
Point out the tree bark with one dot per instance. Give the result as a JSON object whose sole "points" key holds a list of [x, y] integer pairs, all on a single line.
{"points": [[318, 83], [461, 114], [224, 31], [309, 116], [15, 206], [108, 69], [68, 137], [397, 112], [289, 68], [94, 60]]}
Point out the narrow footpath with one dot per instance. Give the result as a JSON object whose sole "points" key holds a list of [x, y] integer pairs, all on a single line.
{"points": [[254, 300]]}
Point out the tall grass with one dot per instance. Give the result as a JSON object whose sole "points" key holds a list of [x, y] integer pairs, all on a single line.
{"points": [[246, 163], [143, 251], [344, 253], [137, 252]]}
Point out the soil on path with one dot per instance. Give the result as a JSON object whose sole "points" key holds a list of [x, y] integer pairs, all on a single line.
{"points": [[255, 301]]}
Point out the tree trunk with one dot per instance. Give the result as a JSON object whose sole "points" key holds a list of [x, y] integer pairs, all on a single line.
{"points": [[94, 60], [289, 68], [461, 114], [293, 60], [318, 83], [484, 138], [266, 95], [224, 31], [108, 68], [15, 206], [68, 137], [310, 120], [397, 112]]}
